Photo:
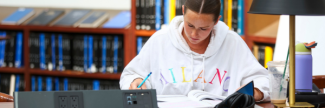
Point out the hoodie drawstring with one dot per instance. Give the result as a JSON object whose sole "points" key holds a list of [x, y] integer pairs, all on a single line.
{"points": [[203, 71], [192, 70]]}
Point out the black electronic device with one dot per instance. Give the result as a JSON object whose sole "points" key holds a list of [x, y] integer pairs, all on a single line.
{"points": [[87, 99]]}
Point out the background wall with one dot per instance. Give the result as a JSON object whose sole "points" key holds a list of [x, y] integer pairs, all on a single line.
{"points": [[89, 4], [308, 28]]}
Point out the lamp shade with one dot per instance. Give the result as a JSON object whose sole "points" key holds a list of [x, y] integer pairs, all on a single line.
{"points": [[288, 7]]}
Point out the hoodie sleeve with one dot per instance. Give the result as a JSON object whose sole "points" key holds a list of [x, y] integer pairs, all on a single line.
{"points": [[138, 68], [251, 69]]}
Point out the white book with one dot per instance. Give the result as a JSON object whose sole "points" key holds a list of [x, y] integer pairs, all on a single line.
{"points": [[12, 84]]}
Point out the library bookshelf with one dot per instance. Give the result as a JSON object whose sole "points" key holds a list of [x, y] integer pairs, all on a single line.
{"points": [[27, 72]]}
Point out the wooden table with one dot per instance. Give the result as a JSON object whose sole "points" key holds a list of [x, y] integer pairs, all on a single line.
{"points": [[11, 105]]}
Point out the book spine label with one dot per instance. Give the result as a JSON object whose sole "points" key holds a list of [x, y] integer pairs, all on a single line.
{"points": [[19, 44], [115, 57], [90, 53], [139, 44], [53, 51], [60, 53], [42, 51], [103, 68], [48, 83], [85, 53]]}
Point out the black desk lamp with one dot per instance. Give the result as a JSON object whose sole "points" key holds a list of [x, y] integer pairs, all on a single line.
{"points": [[292, 8]]}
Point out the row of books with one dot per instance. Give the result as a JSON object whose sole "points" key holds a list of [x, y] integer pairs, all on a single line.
{"points": [[75, 18], [11, 82], [42, 83], [78, 52], [11, 50], [140, 42], [153, 14], [233, 14], [263, 53]]}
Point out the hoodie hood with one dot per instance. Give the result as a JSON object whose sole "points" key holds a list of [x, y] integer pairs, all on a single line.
{"points": [[219, 32]]}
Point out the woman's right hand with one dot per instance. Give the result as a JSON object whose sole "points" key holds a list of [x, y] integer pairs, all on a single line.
{"points": [[136, 83]]}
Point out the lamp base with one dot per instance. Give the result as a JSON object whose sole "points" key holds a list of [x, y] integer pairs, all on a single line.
{"points": [[297, 104]]}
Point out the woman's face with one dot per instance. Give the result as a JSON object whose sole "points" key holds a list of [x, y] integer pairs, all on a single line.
{"points": [[197, 27]]}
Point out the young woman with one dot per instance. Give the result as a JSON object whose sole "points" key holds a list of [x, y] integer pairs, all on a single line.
{"points": [[196, 52]]}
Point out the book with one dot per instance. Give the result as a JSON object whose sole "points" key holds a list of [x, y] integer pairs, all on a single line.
{"points": [[79, 53], [34, 52], [199, 98], [12, 84], [19, 16], [2, 49], [268, 55], [10, 49], [46, 17], [19, 50], [71, 18], [93, 20], [138, 14], [5, 83], [121, 20]]}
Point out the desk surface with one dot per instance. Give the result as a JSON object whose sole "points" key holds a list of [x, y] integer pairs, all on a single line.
{"points": [[11, 105]]}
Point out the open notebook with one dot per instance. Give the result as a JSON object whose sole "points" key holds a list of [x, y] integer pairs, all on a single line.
{"points": [[198, 98]]}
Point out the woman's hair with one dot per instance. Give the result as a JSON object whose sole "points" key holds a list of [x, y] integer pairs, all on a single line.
{"points": [[204, 7]]}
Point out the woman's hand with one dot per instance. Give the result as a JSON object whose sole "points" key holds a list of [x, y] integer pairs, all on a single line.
{"points": [[258, 95], [136, 83]]}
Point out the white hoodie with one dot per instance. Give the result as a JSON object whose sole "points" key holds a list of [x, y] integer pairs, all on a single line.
{"points": [[227, 63]]}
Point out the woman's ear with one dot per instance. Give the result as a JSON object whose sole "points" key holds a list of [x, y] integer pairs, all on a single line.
{"points": [[218, 20], [183, 9]]}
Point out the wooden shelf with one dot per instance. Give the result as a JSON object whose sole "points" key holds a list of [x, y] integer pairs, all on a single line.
{"points": [[64, 29], [144, 32], [12, 70], [75, 74], [258, 39]]}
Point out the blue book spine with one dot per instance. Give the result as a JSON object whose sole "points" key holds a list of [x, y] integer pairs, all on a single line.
{"points": [[19, 46], [49, 84], [104, 54], [39, 81], [33, 83], [166, 12], [221, 10], [240, 17], [96, 85], [53, 51], [115, 56], [60, 53], [65, 84], [90, 52], [158, 14], [17, 83], [56, 84], [2, 34], [85, 53], [139, 44], [42, 51]]}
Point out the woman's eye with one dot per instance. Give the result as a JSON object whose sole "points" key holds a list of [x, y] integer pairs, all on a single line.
{"points": [[203, 29], [190, 25]]}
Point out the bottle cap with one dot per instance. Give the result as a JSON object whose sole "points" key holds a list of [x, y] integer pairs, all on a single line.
{"points": [[301, 49]]}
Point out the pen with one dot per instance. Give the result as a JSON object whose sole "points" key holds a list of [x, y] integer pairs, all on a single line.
{"points": [[144, 80]]}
